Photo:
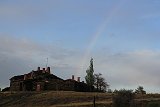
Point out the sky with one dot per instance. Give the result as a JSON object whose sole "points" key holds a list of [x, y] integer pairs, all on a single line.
{"points": [[122, 36]]}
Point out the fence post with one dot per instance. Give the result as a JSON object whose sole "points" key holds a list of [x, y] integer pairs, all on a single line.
{"points": [[94, 101]]}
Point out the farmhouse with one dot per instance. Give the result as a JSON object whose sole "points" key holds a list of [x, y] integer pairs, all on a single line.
{"points": [[42, 79]]}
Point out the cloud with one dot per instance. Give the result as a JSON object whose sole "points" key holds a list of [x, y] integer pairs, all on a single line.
{"points": [[121, 70], [131, 69], [21, 55]]}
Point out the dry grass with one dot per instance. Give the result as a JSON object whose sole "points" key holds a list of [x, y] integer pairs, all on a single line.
{"points": [[51, 98], [62, 99], [85, 104]]}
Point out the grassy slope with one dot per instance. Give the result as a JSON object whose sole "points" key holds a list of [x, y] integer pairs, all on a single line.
{"points": [[51, 99], [61, 99]]}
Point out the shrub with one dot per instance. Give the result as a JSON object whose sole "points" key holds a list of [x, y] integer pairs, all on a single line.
{"points": [[123, 98], [6, 89], [153, 104], [140, 90]]}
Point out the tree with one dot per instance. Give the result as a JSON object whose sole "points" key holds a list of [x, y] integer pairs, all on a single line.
{"points": [[123, 98], [90, 76], [100, 82], [140, 90]]}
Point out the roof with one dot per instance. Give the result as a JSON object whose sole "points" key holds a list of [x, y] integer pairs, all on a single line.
{"points": [[71, 80], [38, 75], [51, 76], [19, 77]]}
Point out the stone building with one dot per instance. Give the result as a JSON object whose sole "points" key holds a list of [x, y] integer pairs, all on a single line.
{"points": [[42, 79]]}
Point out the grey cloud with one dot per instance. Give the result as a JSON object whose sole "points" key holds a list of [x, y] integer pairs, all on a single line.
{"points": [[28, 49], [128, 69], [19, 56], [131, 69]]}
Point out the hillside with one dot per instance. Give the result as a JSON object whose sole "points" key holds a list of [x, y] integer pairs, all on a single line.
{"points": [[63, 99], [51, 99]]}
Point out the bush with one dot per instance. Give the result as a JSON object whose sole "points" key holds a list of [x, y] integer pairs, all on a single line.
{"points": [[6, 89], [123, 98], [153, 104], [140, 90]]}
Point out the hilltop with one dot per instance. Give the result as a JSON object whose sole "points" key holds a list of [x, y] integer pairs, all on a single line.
{"points": [[64, 99]]}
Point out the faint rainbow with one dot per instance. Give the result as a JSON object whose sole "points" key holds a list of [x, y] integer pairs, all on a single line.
{"points": [[97, 34]]}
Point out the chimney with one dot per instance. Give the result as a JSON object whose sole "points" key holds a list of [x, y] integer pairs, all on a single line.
{"points": [[25, 76], [38, 69], [48, 70], [78, 79], [44, 70], [72, 77], [32, 74]]}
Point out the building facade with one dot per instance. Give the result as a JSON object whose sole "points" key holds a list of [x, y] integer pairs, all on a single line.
{"points": [[43, 80]]}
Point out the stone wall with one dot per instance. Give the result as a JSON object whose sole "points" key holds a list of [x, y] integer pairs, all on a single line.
{"points": [[42, 80], [16, 86], [54, 85]]}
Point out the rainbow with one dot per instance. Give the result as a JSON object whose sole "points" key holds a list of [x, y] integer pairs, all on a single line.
{"points": [[98, 33]]}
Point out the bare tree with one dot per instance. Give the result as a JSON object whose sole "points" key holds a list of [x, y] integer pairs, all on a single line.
{"points": [[100, 83]]}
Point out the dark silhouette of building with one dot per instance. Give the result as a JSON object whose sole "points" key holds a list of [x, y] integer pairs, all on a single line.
{"points": [[41, 80]]}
